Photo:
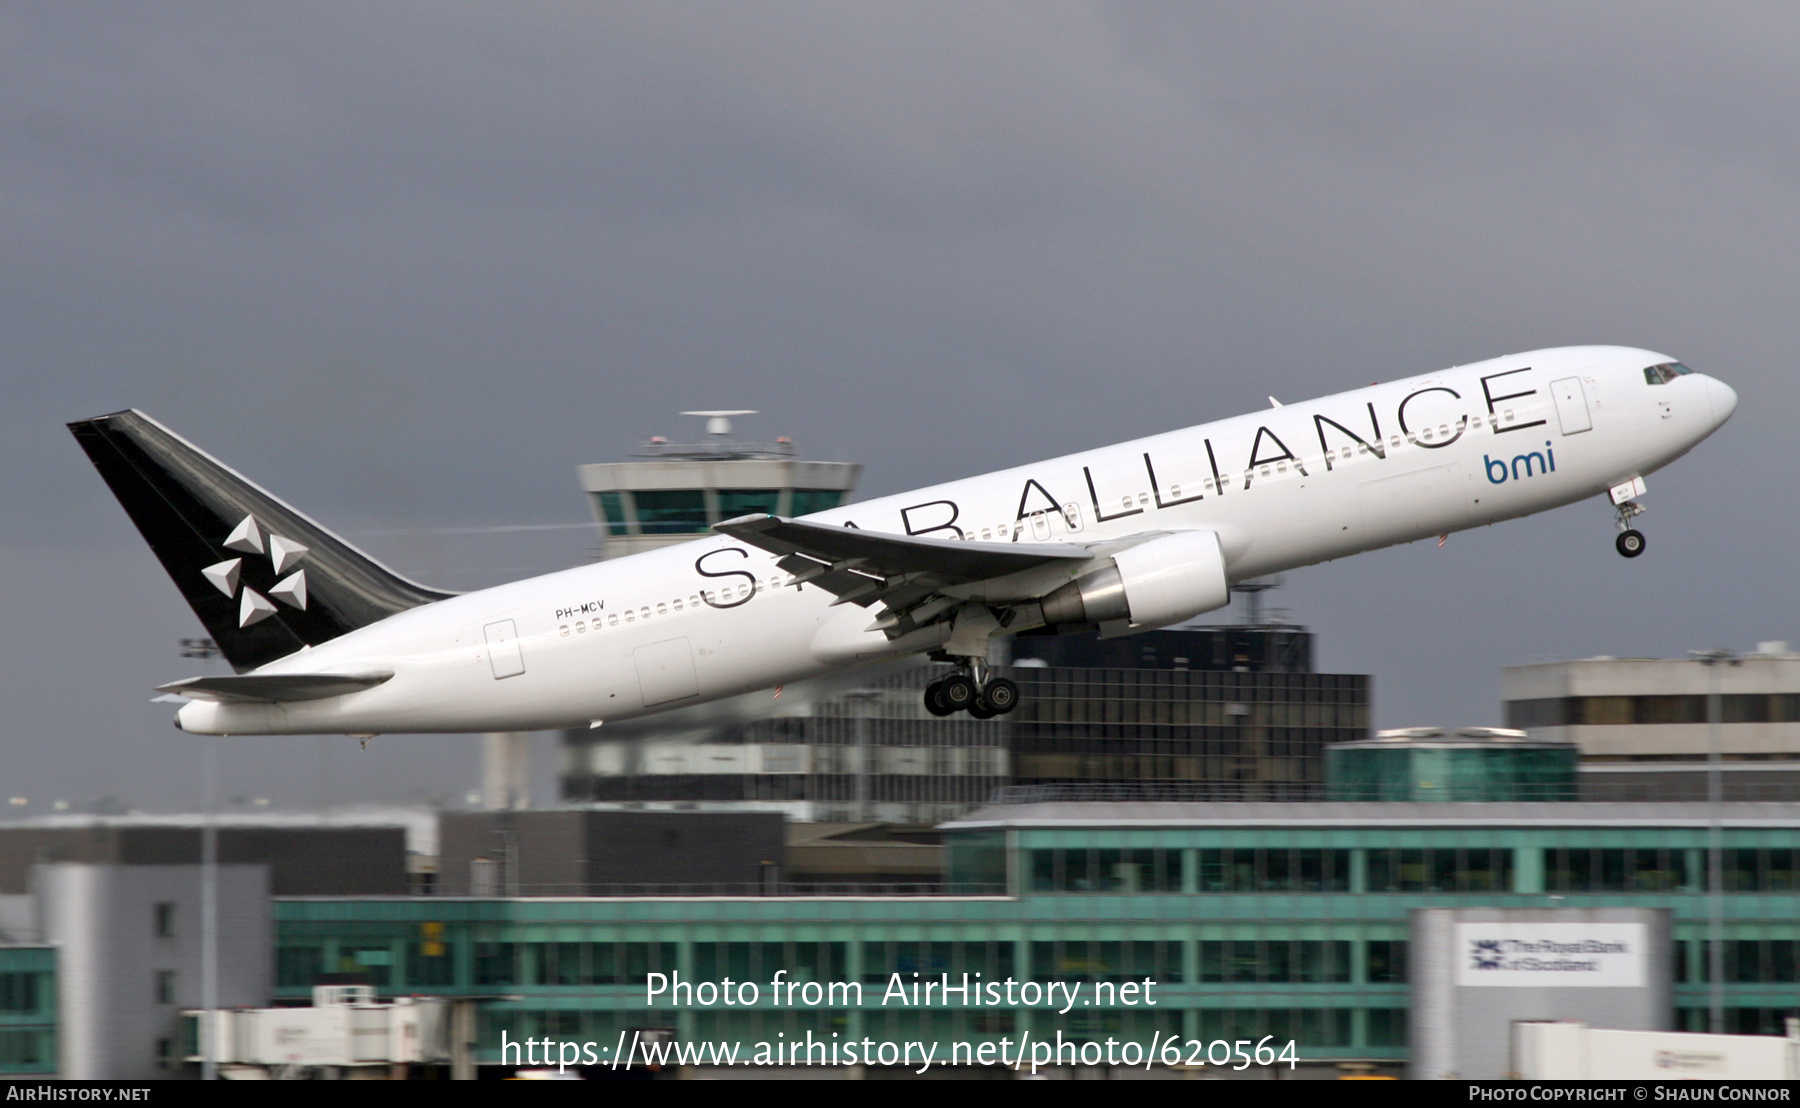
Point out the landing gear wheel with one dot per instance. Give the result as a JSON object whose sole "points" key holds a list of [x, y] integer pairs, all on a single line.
{"points": [[1630, 543], [981, 711], [957, 692], [1001, 696], [934, 699]]}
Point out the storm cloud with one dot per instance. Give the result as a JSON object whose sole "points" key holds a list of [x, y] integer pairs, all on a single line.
{"points": [[407, 265]]}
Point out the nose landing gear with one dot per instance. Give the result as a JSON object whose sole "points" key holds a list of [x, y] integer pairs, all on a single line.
{"points": [[972, 690], [1630, 542]]}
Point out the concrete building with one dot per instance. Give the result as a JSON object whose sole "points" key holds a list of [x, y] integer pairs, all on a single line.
{"points": [[1219, 712], [1293, 920], [874, 754], [590, 852], [1477, 971], [129, 959], [304, 856], [1641, 723]]}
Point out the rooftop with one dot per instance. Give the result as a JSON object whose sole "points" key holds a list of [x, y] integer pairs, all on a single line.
{"points": [[1331, 814]]}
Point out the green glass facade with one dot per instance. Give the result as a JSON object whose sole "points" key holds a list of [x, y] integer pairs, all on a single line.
{"points": [[1270, 921], [27, 1009], [1385, 770]]}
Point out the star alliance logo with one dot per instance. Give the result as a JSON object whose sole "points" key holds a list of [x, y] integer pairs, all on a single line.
{"points": [[253, 607], [1486, 953]]}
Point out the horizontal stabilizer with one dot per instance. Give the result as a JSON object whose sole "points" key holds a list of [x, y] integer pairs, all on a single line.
{"points": [[270, 688]]}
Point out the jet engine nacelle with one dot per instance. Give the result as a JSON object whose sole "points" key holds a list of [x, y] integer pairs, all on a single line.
{"points": [[1153, 584]]}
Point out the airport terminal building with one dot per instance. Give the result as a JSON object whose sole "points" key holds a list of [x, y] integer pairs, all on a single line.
{"points": [[1292, 920]]}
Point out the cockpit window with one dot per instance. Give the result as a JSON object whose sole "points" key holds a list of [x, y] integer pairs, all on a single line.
{"points": [[1663, 374]]}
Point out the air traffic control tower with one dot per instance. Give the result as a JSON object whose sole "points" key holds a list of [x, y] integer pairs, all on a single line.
{"points": [[674, 491]]}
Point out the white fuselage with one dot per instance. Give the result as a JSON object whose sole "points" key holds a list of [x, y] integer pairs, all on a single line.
{"points": [[1285, 487]]}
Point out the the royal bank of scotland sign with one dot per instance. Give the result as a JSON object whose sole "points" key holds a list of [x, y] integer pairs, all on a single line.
{"points": [[1551, 955]]}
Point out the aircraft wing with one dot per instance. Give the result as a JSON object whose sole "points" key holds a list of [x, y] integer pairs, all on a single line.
{"points": [[900, 571], [268, 688]]}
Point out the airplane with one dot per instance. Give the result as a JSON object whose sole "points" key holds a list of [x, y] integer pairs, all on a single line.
{"points": [[1125, 538]]}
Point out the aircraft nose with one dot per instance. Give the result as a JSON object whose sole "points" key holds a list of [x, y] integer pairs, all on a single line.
{"points": [[1723, 397]]}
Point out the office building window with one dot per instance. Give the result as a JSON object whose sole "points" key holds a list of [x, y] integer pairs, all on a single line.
{"points": [[881, 960], [164, 920], [1386, 961], [429, 965], [1307, 1026], [1276, 961], [743, 502], [1274, 870], [808, 501], [165, 986], [1387, 1027], [671, 511], [762, 961], [612, 512], [1106, 961], [1106, 871], [1616, 871], [19, 992], [1600, 711], [1753, 961], [1468, 870], [297, 966]]}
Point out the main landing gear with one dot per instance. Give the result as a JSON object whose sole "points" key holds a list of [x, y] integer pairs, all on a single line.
{"points": [[1630, 542], [972, 690]]}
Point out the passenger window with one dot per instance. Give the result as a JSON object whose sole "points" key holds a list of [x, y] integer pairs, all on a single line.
{"points": [[693, 602], [678, 603], [1425, 434], [1394, 441], [580, 627], [1124, 501], [1281, 468], [612, 621], [645, 612], [1362, 448], [1475, 423], [564, 629], [1444, 431], [1265, 471], [630, 617], [986, 534], [1347, 453]]}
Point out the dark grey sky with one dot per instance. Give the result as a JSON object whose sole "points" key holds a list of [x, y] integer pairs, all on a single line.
{"points": [[409, 264]]}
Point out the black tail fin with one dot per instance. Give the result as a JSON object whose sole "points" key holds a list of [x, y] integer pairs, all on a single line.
{"points": [[263, 578]]}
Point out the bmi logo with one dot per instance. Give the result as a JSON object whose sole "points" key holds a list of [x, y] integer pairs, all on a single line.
{"points": [[1485, 953], [283, 554]]}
